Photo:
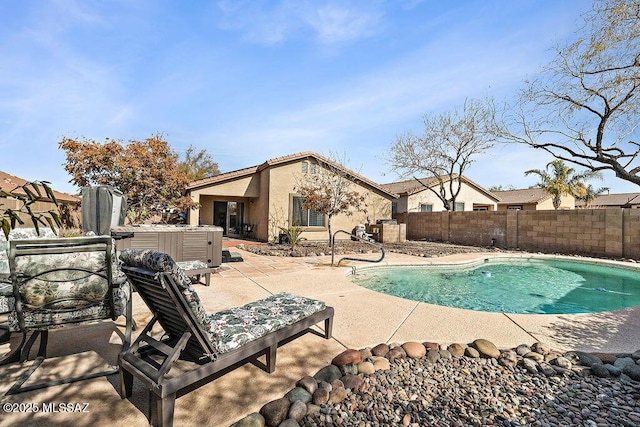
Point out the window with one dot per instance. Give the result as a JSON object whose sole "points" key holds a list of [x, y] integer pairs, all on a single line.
{"points": [[426, 207], [514, 207], [305, 217], [459, 206], [480, 208], [309, 167], [394, 207]]}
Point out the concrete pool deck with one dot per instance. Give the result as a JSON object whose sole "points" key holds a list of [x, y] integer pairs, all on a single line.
{"points": [[363, 318]]}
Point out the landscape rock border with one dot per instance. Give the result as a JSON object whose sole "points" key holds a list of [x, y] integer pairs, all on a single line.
{"points": [[332, 384]]}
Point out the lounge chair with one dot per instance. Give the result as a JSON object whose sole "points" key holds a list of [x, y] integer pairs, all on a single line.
{"points": [[210, 344], [59, 282]]}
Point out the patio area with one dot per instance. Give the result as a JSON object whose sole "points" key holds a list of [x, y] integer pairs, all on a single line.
{"points": [[362, 318]]}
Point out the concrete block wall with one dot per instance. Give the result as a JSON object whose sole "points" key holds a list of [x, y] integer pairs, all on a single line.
{"points": [[392, 233], [478, 228], [599, 232]]}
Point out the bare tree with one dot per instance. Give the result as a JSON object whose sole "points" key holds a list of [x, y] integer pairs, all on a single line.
{"points": [[447, 147], [583, 107], [327, 189]]}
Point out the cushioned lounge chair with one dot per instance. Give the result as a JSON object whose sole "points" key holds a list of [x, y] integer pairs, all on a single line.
{"points": [[211, 344], [59, 282]]}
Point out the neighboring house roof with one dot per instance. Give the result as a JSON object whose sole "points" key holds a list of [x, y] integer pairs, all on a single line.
{"points": [[10, 182], [412, 186], [620, 199], [523, 196], [240, 173]]}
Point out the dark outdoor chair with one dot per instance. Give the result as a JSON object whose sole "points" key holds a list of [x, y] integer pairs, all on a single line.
{"points": [[214, 343], [59, 282]]}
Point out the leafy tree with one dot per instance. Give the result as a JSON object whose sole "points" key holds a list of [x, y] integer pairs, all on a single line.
{"points": [[584, 107], [559, 180], [328, 189], [588, 194], [27, 195], [197, 164], [446, 148], [146, 171]]}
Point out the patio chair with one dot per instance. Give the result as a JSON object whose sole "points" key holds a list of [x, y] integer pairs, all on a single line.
{"points": [[7, 300], [209, 345], [60, 282]]}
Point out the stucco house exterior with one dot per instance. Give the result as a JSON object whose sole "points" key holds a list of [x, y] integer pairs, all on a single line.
{"points": [[414, 197], [531, 199], [259, 199]]}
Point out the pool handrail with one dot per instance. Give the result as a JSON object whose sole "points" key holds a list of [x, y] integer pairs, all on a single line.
{"points": [[353, 236]]}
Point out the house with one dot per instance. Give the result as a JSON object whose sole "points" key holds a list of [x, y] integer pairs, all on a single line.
{"points": [[531, 199], [10, 182], [620, 200], [415, 197], [260, 199]]}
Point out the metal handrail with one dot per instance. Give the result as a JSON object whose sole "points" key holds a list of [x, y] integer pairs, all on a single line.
{"points": [[333, 245]]}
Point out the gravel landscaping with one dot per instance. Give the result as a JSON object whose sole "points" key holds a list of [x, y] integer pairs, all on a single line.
{"points": [[475, 384], [426, 384], [347, 247]]}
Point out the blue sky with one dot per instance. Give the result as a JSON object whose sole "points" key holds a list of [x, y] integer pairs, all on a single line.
{"points": [[251, 80]]}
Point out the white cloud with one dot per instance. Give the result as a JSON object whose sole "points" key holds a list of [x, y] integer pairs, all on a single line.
{"points": [[334, 23], [276, 22]]}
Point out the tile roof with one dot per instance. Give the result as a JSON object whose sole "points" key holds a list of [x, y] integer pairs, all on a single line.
{"points": [[286, 159], [227, 176], [525, 195], [10, 182], [620, 199], [412, 186]]}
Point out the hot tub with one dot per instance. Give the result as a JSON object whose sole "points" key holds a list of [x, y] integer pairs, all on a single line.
{"points": [[182, 243]]}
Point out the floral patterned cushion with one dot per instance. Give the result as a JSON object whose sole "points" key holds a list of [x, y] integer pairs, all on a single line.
{"points": [[4, 257], [233, 328], [7, 301], [30, 233], [161, 262], [192, 265], [4, 264], [35, 319], [19, 233], [57, 293], [229, 329]]}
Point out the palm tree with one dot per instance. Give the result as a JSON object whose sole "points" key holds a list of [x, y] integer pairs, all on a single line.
{"points": [[559, 180], [588, 194]]}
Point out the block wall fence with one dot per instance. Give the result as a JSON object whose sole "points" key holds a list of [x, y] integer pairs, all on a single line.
{"points": [[611, 232]]}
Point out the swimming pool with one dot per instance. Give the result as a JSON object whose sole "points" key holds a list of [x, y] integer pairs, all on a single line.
{"points": [[540, 286]]}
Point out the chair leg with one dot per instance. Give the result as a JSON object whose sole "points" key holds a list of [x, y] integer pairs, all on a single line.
{"points": [[14, 356], [126, 383], [25, 350], [5, 334], [162, 410], [271, 358], [328, 327], [131, 325], [42, 354]]}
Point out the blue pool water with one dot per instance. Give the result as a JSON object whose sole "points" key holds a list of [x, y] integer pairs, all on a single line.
{"points": [[527, 286]]}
